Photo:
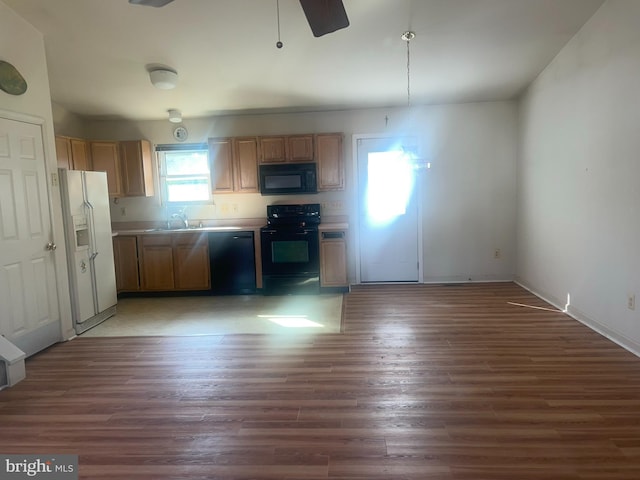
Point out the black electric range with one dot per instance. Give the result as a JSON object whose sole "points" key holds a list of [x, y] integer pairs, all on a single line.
{"points": [[290, 249]]}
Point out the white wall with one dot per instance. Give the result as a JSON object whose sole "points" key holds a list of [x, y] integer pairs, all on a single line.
{"points": [[579, 167], [23, 46], [67, 123], [468, 195]]}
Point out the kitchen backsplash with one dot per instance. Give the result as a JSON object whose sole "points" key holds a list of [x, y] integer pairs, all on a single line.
{"points": [[234, 206]]}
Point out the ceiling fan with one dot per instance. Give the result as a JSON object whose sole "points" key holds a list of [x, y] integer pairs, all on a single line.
{"points": [[324, 16]]}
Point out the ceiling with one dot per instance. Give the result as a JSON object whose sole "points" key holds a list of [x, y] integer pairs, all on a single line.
{"points": [[224, 51]]}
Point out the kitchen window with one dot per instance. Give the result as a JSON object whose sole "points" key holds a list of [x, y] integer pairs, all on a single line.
{"points": [[184, 174]]}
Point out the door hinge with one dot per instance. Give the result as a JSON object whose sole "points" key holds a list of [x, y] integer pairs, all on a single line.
{"points": [[54, 179]]}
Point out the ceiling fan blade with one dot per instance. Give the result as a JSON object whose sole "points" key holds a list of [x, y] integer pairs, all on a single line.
{"points": [[325, 16], [150, 3]]}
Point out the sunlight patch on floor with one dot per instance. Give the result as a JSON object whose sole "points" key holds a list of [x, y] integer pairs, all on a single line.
{"points": [[292, 321]]}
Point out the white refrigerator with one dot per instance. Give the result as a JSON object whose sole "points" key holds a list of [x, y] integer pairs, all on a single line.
{"points": [[87, 222]]}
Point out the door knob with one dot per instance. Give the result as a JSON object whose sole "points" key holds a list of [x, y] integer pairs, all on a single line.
{"points": [[51, 246]]}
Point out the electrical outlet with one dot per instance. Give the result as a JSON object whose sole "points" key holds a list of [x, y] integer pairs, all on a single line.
{"points": [[631, 301], [123, 211], [497, 253], [234, 207]]}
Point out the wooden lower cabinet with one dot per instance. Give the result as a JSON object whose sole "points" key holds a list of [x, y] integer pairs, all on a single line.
{"points": [[333, 259], [176, 261], [125, 255], [191, 261], [156, 262]]}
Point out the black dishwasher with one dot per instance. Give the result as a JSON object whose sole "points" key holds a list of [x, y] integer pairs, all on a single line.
{"points": [[233, 267]]}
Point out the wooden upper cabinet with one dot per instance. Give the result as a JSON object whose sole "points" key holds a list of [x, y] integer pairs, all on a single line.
{"points": [[273, 149], [245, 165], [80, 155], [137, 168], [72, 153], [234, 164], [63, 152], [105, 158], [221, 164], [300, 148], [289, 148], [328, 148]]}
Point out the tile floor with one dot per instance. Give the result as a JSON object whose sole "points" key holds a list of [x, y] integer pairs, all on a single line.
{"points": [[219, 315]]}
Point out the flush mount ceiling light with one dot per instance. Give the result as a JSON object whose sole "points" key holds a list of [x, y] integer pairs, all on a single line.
{"points": [[175, 116], [164, 78]]}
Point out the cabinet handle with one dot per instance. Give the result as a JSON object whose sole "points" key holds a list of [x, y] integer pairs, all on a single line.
{"points": [[328, 235]]}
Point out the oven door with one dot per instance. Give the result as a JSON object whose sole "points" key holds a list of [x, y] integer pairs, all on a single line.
{"points": [[290, 260]]}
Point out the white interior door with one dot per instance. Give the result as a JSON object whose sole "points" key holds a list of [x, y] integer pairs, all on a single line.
{"points": [[388, 211], [29, 313]]}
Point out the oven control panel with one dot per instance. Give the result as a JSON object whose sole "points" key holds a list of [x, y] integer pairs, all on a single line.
{"points": [[299, 214]]}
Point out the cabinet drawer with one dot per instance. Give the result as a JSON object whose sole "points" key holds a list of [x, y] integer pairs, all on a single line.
{"points": [[190, 238], [148, 240]]}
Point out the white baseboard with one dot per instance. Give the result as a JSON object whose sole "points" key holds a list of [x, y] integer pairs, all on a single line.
{"points": [[616, 337]]}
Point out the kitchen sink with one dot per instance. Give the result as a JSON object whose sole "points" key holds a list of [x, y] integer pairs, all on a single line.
{"points": [[184, 229]]}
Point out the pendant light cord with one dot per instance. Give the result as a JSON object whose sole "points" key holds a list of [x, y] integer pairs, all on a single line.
{"points": [[279, 44], [407, 37], [408, 75]]}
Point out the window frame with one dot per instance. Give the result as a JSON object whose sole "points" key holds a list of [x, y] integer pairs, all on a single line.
{"points": [[161, 151]]}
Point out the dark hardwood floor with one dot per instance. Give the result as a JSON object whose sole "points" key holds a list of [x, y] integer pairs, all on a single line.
{"points": [[425, 382]]}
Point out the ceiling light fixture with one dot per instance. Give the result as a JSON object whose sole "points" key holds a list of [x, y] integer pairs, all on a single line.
{"points": [[164, 78], [407, 37], [175, 116]]}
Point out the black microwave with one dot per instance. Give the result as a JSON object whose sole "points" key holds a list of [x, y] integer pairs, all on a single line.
{"points": [[288, 178]]}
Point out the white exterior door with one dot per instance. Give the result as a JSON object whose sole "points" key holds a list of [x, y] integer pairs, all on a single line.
{"points": [[29, 315], [388, 212]]}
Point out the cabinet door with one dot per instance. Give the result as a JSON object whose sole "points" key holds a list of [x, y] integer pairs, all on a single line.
{"points": [[63, 152], [272, 150], [245, 165], [156, 263], [125, 253], [330, 163], [105, 158], [333, 262], [221, 162], [191, 261], [300, 148], [79, 155], [137, 174]]}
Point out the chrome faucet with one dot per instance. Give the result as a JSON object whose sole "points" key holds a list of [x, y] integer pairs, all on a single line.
{"points": [[182, 216]]}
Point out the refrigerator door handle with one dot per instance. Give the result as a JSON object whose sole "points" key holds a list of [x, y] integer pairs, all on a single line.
{"points": [[93, 254], [89, 207]]}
